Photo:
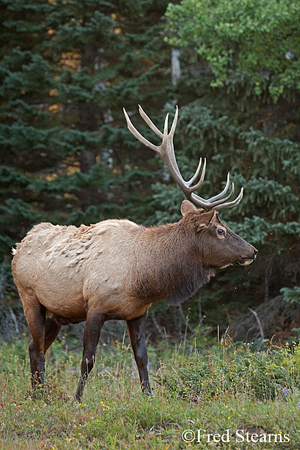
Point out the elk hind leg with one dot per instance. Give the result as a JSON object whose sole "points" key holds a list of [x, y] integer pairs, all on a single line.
{"points": [[136, 330], [35, 316], [52, 329], [91, 335]]}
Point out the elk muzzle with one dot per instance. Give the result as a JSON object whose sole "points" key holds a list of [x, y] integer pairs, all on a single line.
{"points": [[248, 259]]}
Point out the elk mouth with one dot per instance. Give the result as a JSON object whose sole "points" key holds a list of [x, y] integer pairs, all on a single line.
{"points": [[244, 261]]}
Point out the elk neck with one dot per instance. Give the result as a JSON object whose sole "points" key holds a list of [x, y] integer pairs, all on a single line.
{"points": [[168, 263]]}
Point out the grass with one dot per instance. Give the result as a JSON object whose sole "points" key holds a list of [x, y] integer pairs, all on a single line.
{"points": [[220, 392]]}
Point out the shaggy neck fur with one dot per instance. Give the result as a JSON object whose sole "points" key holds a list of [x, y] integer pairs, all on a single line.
{"points": [[168, 263]]}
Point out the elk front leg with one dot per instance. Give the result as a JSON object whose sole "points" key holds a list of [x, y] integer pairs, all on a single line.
{"points": [[92, 330], [136, 331]]}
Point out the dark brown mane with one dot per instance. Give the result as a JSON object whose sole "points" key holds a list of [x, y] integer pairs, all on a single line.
{"points": [[168, 263]]}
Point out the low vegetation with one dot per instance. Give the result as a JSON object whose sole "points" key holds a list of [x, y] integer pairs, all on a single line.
{"points": [[222, 397]]}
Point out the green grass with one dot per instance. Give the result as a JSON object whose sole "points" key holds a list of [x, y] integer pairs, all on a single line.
{"points": [[216, 391]]}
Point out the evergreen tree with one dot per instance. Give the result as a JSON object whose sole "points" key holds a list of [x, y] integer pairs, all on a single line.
{"points": [[24, 131], [67, 69]]}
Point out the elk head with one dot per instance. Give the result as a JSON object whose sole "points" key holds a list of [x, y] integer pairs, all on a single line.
{"points": [[218, 245], [222, 246]]}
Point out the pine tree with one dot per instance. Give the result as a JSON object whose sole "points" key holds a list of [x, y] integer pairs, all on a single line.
{"points": [[24, 132], [67, 69]]}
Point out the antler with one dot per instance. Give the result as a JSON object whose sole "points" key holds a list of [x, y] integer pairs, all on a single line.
{"points": [[167, 154]]}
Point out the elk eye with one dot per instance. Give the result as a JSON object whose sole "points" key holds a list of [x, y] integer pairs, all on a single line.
{"points": [[221, 231]]}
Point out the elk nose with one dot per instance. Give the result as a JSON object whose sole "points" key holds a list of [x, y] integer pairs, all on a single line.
{"points": [[255, 253]]}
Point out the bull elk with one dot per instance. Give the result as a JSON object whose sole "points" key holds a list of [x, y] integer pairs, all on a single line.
{"points": [[116, 269]]}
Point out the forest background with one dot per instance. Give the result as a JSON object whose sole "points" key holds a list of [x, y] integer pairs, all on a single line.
{"points": [[68, 68]]}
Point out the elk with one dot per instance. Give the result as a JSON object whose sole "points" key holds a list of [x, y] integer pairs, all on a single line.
{"points": [[116, 269]]}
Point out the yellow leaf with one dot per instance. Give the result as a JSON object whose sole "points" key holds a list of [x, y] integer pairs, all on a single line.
{"points": [[54, 108]]}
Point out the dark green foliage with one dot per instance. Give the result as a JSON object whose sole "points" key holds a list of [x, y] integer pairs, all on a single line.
{"points": [[291, 295], [242, 38], [67, 69]]}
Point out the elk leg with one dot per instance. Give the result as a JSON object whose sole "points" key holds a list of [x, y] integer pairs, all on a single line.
{"points": [[35, 316], [91, 335], [136, 330], [52, 329]]}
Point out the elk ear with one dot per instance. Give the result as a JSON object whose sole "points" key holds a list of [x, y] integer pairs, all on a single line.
{"points": [[187, 206], [206, 219], [214, 218]]}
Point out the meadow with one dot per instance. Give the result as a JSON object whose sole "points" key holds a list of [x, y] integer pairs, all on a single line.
{"points": [[214, 397]]}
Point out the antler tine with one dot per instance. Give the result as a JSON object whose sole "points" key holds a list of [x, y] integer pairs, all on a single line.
{"points": [[233, 203], [217, 202], [150, 123], [138, 135], [173, 127], [166, 149], [216, 197], [169, 155], [191, 181], [220, 204], [166, 126]]}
